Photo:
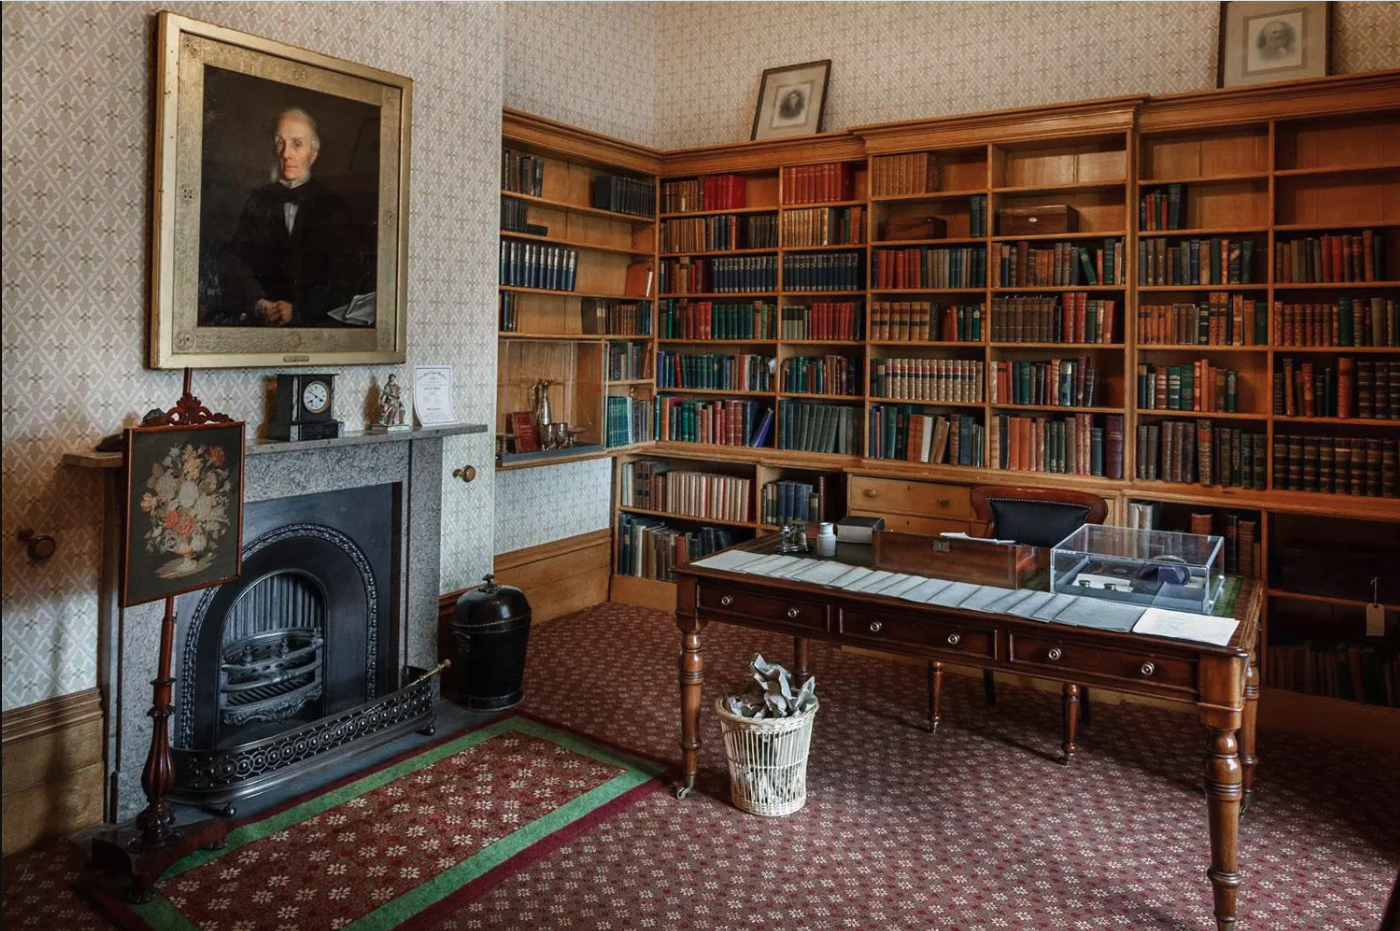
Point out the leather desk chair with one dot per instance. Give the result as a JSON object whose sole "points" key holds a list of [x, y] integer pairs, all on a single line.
{"points": [[1036, 517]]}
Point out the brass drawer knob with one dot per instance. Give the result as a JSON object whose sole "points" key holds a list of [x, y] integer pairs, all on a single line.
{"points": [[954, 639], [943, 502], [871, 493], [793, 612], [1148, 668], [876, 627], [1055, 654], [726, 601]]}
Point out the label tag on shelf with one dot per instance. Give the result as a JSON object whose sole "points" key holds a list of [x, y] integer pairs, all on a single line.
{"points": [[1375, 620]]}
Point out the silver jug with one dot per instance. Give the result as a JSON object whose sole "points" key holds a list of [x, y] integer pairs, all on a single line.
{"points": [[539, 405]]}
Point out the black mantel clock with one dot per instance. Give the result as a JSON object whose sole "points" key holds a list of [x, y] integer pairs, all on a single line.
{"points": [[304, 408]]}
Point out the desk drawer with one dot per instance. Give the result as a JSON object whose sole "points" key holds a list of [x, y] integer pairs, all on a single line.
{"points": [[929, 526], [791, 612], [875, 627], [1051, 653], [922, 499]]}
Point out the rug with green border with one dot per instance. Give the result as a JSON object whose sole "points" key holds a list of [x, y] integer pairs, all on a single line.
{"points": [[405, 845]]}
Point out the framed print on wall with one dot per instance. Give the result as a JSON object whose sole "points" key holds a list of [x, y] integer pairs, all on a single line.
{"points": [[183, 516], [280, 232], [791, 100], [1261, 42]]}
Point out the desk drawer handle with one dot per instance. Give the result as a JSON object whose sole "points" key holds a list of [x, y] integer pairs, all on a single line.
{"points": [[793, 612], [1055, 654], [876, 627], [943, 502], [1148, 668], [726, 601], [954, 639], [871, 493]]}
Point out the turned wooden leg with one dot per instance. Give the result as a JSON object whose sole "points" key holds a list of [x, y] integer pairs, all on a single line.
{"points": [[935, 689], [1223, 791], [1251, 715], [799, 660], [692, 678], [1071, 703], [1084, 705], [157, 820], [989, 686]]}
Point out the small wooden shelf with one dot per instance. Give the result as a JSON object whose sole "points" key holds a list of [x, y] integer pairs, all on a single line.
{"points": [[671, 516], [709, 296], [587, 247], [1065, 187], [713, 213], [974, 290], [948, 241], [928, 195], [563, 337], [1206, 415], [1205, 231], [838, 247], [1327, 227], [1226, 178], [1201, 287], [1335, 170], [1289, 350], [1187, 347], [563, 456], [1334, 285], [821, 342], [875, 399], [720, 252], [1353, 421], [1100, 346], [1056, 408], [579, 208], [1034, 237], [557, 293], [786, 293], [715, 342], [1326, 599], [966, 344], [649, 382], [825, 203], [821, 397], [728, 392], [1061, 287]]}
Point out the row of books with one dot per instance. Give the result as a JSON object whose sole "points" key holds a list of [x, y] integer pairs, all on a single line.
{"points": [[1076, 445], [515, 218], [829, 374], [1337, 257], [1351, 321], [715, 192], [791, 500], [702, 320], [1240, 536], [717, 233], [818, 184], [925, 321], [823, 320], [1202, 452], [1052, 383], [911, 433], [1366, 672], [823, 271], [1195, 262], [741, 372], [629, 420], [624, 195], [1069, 318], [538, 265], [945, 380], [1222, 319], [814, 427], [1061, 264], [1365, 388], [1195, 386], [615, 318], [1162, 208], [824, 226], [655, 487], [911, 173], [725, 422], [930, 267], [977, 215], [628, 361], [1337, 465], [522, 173], [739, 275], [649, 548], [508, 315]]}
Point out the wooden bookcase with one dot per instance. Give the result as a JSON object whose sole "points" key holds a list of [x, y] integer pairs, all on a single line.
{"points": [[1260, 165]]}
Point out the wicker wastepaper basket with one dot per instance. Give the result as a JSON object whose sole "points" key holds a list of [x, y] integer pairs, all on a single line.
{"points": [[767, 761]]}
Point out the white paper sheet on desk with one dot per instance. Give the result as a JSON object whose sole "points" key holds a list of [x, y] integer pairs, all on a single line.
{"points": [[891, 587], [953, 595], [925, 590], [1010, 600], [799, 571], [769, 565], [729, 561], [1051, 609], [1087, 611], [876, 578], [984, 597], [964, 535], [1179, 625], [851, 575], [822, 572], [1027, 606]]}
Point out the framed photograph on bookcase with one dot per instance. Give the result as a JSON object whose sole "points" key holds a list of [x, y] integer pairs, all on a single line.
{"points": [[1262, 42], [791, 100], [280, 232]]}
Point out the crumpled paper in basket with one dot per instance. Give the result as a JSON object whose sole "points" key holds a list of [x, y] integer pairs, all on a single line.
{"points": [[770, 693]]}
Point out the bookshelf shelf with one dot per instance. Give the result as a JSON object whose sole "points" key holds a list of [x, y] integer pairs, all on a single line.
{"points": [[945, 241], [1325, 599], [1056, 408], [927, 195], [1325, 227], [554, 292], [838, 247], [820, 397], [952, 344], [671, 515], [827, 203], [1078, 347], [773, 208], [557, 337], [712, 295], [1334, 285], [1223, 178], [820, 342], [727, 392], [721, 252], [786, 293], [928, 290], [1187, 347], [1064, 188], [1291, 350], [1033, 237], [1340, 421], [973, 405], [1187, 288], [580, 209], [1203, 415], [1061, 288], [1336, 170], [716, 342], [573, 244], [1204, 231]]}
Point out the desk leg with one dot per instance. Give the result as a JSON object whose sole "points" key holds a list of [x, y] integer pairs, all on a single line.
{"points": [[1223, 791], [692, 678], [799, 659], [1251, 714], [1071, 703], [935, 691]]}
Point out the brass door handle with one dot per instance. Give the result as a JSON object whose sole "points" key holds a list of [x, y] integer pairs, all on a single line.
{"points": [[1148, 668], [465, 473], [1055, 654], [954, 639], [876, 627]]}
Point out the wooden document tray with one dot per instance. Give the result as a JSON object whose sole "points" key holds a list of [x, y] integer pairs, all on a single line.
{"points": [[977, 561]]}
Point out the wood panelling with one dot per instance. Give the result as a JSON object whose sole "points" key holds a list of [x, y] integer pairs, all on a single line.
{"points": [[52, 768], [557, 578]]}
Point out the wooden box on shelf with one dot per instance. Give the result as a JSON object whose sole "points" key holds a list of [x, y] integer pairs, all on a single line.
{"points": [[1028, 221]]}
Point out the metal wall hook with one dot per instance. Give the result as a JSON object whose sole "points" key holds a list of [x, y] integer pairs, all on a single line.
{"points": [[39, 546]]}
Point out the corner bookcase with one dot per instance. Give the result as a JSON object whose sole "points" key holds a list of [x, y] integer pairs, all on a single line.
{"points": [[869, 319]]}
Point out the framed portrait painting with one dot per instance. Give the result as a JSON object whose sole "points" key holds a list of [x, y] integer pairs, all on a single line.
{"points": [[1262, 42], [182, 525], [280, 232], [791, 100]]}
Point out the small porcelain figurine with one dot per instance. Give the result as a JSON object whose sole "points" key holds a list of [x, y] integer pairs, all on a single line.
{"points": [[392, 415]]}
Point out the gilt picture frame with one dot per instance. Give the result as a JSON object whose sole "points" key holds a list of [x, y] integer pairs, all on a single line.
{"points": [[182, 516], [280, 204], [791, 100], [1272, 41]]}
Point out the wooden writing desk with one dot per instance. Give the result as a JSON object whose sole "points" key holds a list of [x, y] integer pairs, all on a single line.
{"points": [[1222, 682]]}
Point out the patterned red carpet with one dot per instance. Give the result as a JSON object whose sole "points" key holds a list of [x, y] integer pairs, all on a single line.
{"points": [[976, 828]]}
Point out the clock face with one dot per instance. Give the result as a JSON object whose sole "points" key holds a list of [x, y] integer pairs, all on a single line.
{"points": [[316, 397]]}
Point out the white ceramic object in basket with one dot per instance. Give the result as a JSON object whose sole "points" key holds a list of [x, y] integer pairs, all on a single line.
{"points": [[767, 760]]}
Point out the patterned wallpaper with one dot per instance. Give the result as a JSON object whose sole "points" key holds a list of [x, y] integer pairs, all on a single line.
{"points": [[535, 506], [892, 61], [77, 122]]}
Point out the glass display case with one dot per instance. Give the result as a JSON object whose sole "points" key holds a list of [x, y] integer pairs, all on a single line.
{"points": [[1155, 568]]}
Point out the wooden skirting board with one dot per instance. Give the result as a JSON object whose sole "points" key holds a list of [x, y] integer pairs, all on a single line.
{"points": [[51, 757]]}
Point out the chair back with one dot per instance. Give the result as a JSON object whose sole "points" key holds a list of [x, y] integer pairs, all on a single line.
{"points": [[1035, 516]]}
